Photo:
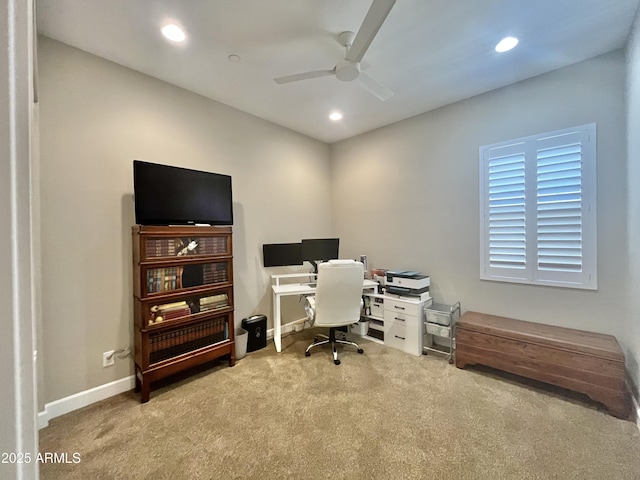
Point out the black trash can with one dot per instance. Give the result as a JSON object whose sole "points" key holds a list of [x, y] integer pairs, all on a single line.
{"points": [[256, 325]]}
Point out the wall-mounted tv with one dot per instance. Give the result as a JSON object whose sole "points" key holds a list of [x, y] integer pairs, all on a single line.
{"points": [[166, 195]]}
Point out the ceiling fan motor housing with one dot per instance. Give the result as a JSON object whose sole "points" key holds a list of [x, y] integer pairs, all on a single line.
{"points": [[355, 46], [347, 70]]}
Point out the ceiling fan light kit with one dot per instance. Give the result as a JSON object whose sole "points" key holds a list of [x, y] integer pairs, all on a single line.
{"points": [[347, 71], [356, 45]]}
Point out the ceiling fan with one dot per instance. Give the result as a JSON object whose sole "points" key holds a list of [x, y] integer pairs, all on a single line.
{"points": [[356, 46]]}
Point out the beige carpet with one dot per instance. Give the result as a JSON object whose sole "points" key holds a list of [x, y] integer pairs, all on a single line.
{"points": [[381, 415]]}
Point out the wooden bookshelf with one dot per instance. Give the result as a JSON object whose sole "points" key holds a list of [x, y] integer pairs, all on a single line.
{"points": [[183, 300]]}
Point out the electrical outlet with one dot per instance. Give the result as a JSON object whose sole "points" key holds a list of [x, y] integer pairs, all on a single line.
{"points": [[108, 358]]}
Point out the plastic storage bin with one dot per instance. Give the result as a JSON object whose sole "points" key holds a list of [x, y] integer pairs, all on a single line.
{"points": [[256, 325], [440, 313], [361, 328]]}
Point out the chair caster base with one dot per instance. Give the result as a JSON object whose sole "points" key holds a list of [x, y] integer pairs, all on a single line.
{"points": [[332, 341]]}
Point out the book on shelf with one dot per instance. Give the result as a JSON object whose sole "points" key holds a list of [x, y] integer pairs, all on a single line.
{"points": [[168, 311], [214, 273], [161, 247], [174, 309], [212, 245], [213, 307], [173, 314], [167, 306], [222, 297], [214, 301], [163, 279]]}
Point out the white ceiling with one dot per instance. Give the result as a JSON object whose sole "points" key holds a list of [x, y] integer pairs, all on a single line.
{"points": [[430, 53]]}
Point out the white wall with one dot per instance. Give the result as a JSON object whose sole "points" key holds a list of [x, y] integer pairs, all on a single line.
{"points": [[407, 194], [631, 341], [95, 118]]}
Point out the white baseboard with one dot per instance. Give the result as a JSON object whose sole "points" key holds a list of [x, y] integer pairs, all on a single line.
{"points": [[83, 399]]}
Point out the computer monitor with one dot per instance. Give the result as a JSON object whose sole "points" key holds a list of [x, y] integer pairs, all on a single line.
{"points": [[319, 250], [281, 254]]}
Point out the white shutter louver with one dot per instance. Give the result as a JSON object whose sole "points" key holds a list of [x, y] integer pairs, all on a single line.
{"points": [[507, 242], [559, 205]]}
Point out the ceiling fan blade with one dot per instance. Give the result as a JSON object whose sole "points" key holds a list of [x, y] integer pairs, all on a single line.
{"points": [[304, 76], [375, 87], [376, 16]]}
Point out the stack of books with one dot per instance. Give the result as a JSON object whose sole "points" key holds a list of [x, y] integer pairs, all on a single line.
{"points": [[164, 345], [215, 273], [169, 311], [214, 302], [161, 247], [163, 279], [212, 245]]}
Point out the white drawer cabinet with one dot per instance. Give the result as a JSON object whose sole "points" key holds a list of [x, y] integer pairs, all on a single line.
{"points": [[401, 319], [403, 324]]}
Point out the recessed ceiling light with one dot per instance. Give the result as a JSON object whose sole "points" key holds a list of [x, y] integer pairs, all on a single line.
{"points": [[233, 58], [506, 44], [335, 116], [173, 33]]}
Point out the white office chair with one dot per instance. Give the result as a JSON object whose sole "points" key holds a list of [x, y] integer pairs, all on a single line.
{"points": [[336, 302]]}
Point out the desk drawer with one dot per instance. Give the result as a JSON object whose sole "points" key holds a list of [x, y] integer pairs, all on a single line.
{"points": [[377, 307], [402, 338], [401, 318], [399, 306]]}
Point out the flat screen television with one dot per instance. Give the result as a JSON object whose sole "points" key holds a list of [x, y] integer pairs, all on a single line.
{"points": [[166, 195]]}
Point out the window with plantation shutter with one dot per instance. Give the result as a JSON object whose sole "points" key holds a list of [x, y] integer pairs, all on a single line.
{"points": [[538, 209]]}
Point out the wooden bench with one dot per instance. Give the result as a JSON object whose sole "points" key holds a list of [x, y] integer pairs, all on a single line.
{"points": [[586, 362]]}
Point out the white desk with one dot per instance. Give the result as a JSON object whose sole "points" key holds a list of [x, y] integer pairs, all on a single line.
{"points": [[283, 289]]}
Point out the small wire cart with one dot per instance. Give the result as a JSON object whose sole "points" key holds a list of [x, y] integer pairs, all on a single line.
{"points": [[440, 320]]}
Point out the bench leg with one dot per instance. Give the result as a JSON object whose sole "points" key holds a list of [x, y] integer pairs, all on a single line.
{"points": [[461, 361], [618, 405]]}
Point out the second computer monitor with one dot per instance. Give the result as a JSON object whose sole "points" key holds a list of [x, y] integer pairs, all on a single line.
{"points": [[320, 249], [282, 254]]}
